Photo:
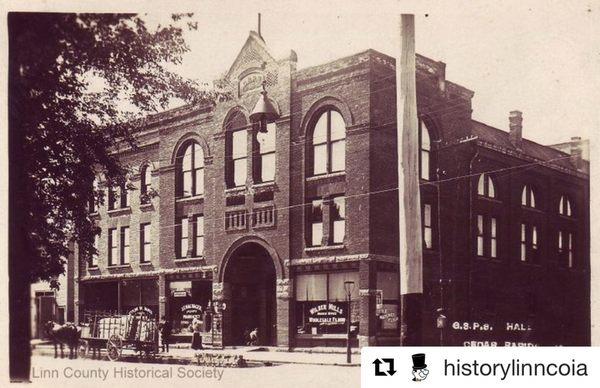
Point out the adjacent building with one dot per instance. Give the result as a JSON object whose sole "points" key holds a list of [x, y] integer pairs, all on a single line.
{"points": [[295, 231]]}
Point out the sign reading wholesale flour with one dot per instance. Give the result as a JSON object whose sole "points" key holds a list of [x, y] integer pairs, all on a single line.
{"points": [[479, 367]]}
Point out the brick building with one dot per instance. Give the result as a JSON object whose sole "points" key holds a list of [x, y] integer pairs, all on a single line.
{"points": [[265, 228]]}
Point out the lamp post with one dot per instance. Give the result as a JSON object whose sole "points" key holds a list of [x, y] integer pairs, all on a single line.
{"points": [[348, 287]]}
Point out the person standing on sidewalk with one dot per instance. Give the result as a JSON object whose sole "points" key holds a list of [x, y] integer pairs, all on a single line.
{"points": [[165, 333], [196, 336]]}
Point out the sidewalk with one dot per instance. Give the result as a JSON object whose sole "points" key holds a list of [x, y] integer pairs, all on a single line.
{"points": [[312, 356], [277, 355]]}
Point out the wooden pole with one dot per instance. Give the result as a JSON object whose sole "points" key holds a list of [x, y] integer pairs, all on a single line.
{"points": [[409, 204]]}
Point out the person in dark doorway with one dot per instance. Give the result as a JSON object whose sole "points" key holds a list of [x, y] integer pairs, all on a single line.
{"points": [[196, 327], [251, 336], [165, 333]]}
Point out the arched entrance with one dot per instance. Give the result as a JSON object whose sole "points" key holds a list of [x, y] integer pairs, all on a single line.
{"points": [[250, 275]]}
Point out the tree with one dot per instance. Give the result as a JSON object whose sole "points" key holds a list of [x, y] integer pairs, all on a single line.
{"points": [[79, 86], [69, 129]]}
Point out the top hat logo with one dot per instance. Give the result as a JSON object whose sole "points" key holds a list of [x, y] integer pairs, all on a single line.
{"points": [[419, 361]]}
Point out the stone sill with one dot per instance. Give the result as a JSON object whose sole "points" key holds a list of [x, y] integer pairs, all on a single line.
{"points": [[324, 248], [484, 198], [146, 264], [146, 206], [235, 190], [118, 266], [190, 199], [119, 211], [264, 185], [326, 176], [189, 259]]}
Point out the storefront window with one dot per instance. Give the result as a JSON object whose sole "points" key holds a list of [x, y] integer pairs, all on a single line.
{"points": [[140, 295], [187, 300], [136, 297], [387, 300], [321, 303]]}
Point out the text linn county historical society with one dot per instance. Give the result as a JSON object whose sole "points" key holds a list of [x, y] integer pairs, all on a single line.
{"points": [[126, 373]]}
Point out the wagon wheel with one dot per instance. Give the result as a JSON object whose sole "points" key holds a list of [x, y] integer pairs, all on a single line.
{"points": [[114, 347], [83, 348]]}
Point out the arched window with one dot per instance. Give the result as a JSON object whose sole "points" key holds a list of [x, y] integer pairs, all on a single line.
{"points": [[146, 183], [236, 150], [528, 197], [264, 154], [424, 151], [190, 161], [486, 187], [565, 207], [329, 143]]}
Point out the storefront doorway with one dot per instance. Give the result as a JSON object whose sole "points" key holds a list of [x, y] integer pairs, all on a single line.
{"points": [[250, 274]]}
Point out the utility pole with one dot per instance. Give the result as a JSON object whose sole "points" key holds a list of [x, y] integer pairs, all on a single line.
{"points": [[409, 203]]}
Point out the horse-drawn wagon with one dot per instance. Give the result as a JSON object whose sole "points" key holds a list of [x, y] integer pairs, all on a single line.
{"points": [[116, 333]]}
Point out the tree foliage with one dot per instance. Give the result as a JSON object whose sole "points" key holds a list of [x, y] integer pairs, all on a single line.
{"points": [[79, 86]]}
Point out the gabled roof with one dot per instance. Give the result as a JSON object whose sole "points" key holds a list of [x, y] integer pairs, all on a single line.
{"points": [[254, 49], [529, 148]]}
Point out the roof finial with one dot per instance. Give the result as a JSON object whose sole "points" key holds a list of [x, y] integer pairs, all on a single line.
{"points": [[259, 34]]}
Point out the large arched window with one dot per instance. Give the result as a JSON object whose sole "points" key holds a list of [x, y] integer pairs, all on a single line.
{"points": [[565, 206], [528, 197], [486, 187], [190, 170], [424, 151], [236, 150], [329, 143]]}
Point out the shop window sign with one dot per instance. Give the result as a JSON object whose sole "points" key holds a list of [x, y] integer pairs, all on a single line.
{"points": [[189, 312], [141, 311]]}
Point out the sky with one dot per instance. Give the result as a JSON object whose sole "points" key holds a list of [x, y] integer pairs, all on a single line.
{"points": [[538, 57]]}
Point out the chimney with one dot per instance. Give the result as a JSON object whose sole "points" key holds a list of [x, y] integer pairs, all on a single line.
{"points": [[515, 136], [576, 152]]}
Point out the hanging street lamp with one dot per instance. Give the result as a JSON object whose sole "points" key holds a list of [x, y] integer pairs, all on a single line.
{"points": [[264, 111]]}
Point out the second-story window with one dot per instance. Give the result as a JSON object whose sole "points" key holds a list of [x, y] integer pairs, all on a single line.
{"points": [[94, 257], [486, 187], [424, 152], [191, 170], [113, 251], [239, 154], [146, 183], [427, 228], [338, 218], [182, 232], [145, 243], [565, 206], [264, 150], [565, 249], [528, 197], [487, 236], [329, 143], [529, 243], [315, 223], [125, 245], [199, 236]]}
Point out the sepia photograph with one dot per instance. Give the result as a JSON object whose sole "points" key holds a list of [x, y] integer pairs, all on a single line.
{"points": [[252, 194]]}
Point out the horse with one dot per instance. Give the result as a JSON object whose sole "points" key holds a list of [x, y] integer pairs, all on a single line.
{"points": [[67, 334]]}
